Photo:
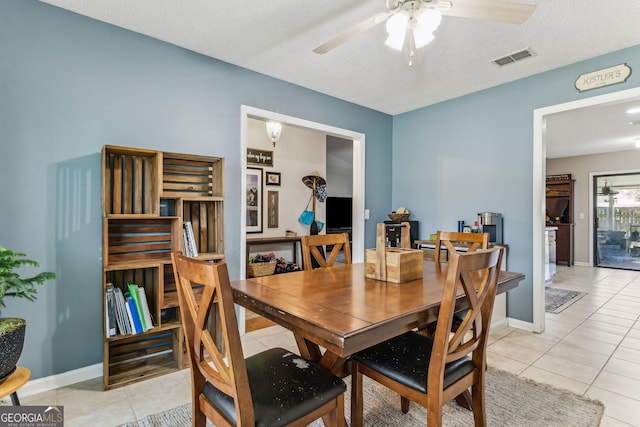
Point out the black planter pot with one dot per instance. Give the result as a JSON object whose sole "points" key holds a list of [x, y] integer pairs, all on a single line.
{"points": [[11, 343]]}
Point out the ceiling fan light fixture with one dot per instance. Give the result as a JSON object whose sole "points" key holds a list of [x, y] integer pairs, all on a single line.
{"points": [[428, 20], [396, 29]]}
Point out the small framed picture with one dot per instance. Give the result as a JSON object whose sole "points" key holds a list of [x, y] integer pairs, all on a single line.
{"points": [[272, 178], [254, 200], [272, 209]]}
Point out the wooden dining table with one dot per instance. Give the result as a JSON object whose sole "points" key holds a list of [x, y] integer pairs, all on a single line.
{"points": [[341, 311]]}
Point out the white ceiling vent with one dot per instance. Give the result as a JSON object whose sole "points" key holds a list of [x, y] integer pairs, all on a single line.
{"points": [[514, 57]]}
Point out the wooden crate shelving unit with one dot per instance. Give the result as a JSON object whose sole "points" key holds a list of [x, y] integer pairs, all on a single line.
{"points": [[147, 195]]}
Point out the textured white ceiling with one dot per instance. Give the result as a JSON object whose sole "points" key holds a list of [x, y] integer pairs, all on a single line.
{"points": [[276, 38]]}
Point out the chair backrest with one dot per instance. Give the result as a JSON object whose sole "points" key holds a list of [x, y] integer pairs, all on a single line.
{"points": [[224, 369], [475, 273], [449, 238], [312, 249]]}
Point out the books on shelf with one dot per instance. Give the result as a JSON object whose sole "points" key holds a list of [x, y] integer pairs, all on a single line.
{"points": [[190, 248], [124, 325], [110, 312], [133, 291], [145, 308], [126, 312], [134, 317]]}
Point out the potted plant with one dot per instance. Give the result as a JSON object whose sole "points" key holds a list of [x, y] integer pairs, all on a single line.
{"points": [[12, 329]]}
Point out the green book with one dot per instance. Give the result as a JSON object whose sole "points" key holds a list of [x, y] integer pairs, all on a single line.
{"points": [[133, 290]]}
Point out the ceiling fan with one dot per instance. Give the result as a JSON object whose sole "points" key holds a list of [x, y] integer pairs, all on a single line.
{"points": [[607, 191], [414, 21]]}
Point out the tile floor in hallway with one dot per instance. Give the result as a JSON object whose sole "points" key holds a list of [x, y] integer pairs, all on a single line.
{"points": [[591, 348]]}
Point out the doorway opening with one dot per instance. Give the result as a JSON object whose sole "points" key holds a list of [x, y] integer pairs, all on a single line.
{"points": [[616, 212], [356, 141], [539, 172]]}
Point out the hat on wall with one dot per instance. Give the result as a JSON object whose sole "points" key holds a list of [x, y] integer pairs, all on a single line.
{"points": [[308, 180]]}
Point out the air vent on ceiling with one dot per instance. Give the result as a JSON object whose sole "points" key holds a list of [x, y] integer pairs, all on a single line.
{"points": [[514, 57], [634, 122]]}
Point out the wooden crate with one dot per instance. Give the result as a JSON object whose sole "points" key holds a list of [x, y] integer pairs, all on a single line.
{"points": [[169, 292], [185, 175], [402, 265], [128, 241], [147, 278], [140, 356], [206, 220], [130, 181]]}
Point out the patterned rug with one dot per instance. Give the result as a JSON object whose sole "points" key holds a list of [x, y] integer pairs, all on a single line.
{"points": [[511, 401], [557, 299]]}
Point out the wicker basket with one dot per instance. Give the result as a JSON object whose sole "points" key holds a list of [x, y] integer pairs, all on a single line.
{"points": [[396, 217], [259, 269]]}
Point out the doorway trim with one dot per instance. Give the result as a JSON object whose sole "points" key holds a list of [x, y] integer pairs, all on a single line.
{"points": [[358, 139], [539, 172]]}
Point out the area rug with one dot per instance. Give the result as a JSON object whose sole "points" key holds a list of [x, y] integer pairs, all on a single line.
{"points": [[511, 401], [558, 299]]}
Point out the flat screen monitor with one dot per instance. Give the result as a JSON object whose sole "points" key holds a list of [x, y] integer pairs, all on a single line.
{"points": [[339, 212]]}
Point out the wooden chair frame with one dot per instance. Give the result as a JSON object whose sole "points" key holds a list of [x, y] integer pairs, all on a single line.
{"points": [[477, 274], [224, 369], [447, 238], [310, 249]]}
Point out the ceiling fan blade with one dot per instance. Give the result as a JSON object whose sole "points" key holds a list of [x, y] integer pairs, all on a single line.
{"points": [[491, 10], [349, 33]]}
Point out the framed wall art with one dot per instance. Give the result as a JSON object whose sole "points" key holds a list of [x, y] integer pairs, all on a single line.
{"points": [[272, 209], [272, 178], [254, 200]]}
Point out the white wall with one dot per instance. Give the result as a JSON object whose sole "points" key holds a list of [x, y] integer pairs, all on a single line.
{"points": [[298, 153]]}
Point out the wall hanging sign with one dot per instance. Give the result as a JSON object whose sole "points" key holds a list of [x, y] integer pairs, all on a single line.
{"points": [[604, 77], [259, 157]]}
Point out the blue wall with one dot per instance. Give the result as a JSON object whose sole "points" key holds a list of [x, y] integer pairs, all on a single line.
{"points": [[474, 154], [68, 86]]}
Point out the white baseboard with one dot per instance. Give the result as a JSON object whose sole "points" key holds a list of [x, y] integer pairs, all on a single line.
{"points": [[582, 264], [520, 324], [500, 324], [52, 382]]}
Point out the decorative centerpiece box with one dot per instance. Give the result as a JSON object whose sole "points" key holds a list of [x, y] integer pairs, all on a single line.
{"points": [[402, 265]]}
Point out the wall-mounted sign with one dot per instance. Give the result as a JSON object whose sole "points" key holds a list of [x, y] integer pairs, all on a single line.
{"points": [[605, 77], [259, 157]]}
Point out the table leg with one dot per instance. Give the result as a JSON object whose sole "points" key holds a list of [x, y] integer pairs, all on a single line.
{"points": [[14, 399], [464, 399]]}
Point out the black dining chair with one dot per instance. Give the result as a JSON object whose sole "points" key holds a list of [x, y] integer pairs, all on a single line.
{"points": [[273, 388], [433, 370]]}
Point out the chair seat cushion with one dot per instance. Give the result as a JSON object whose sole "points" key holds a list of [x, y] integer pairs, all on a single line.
{"points": [[284, 387], [405, 359]]}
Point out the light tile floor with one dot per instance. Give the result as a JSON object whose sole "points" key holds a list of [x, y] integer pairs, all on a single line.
{"points": [[591, 348]]}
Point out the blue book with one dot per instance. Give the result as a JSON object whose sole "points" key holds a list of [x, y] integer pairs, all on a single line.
{"points": [[135, 316]]}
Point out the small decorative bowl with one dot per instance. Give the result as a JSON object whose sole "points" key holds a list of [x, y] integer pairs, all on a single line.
{"points": [[396, 217]]}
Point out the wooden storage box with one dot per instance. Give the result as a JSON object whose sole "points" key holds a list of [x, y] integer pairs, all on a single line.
{"points": [[402, 265]]}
